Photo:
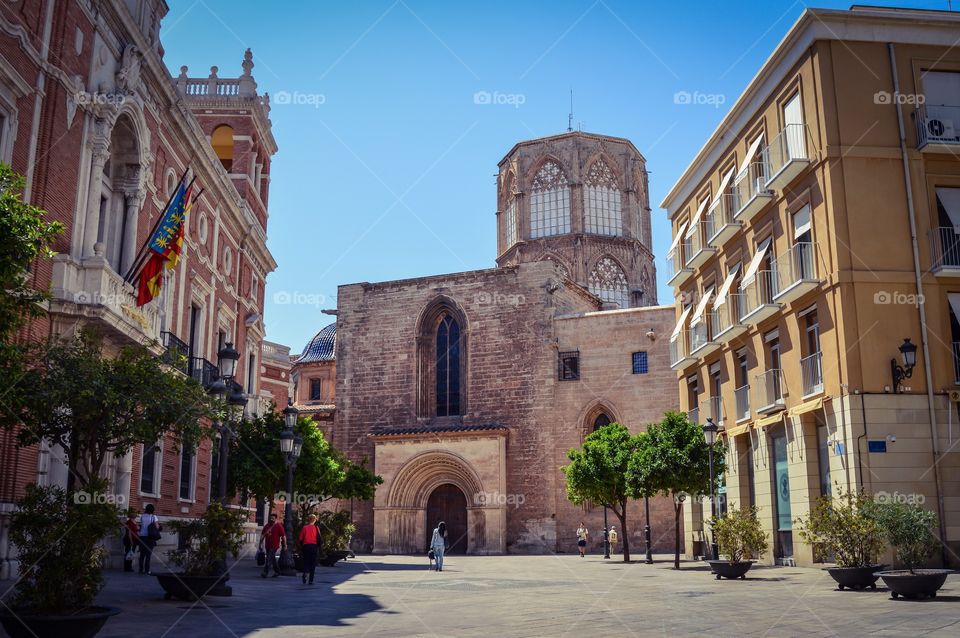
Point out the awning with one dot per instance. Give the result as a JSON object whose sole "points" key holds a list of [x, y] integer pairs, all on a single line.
{"points": [[725, 288], [806, 406], [773, 419], [801, 222], [723, 187], [755, 262], [737, 430], [954, 299], [950, 200], [680, 323], [677, 237], [696, 219], [701, 307], [745, 164]]}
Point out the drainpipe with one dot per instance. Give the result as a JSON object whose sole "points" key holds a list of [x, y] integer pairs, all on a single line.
{"points": [[920, 306]]}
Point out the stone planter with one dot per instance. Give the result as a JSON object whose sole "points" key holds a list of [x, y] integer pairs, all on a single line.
{"points": [[85, 624], [188, 588], [726, 569], [922, 583], [855, 577]]}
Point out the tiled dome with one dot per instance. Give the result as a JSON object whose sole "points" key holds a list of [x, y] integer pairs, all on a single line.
{"points": [[322, 347]]}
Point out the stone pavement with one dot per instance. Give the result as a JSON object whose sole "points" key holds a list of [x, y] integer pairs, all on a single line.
{"points": [[527, 596]]}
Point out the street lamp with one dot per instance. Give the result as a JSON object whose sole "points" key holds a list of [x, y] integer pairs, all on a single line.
{"points": [[227, 361], [290, 446], [235, 403], [908, 352], [648, 559], [710, 430]]}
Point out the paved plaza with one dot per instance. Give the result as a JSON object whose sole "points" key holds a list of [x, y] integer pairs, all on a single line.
{"points": [[527, 596]]}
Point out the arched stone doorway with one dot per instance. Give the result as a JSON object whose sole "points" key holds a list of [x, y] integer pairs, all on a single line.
{"points": [[448, 504]]}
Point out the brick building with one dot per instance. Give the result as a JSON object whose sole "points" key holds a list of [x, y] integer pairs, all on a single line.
{"points": [[91, 116], [466, 390]]}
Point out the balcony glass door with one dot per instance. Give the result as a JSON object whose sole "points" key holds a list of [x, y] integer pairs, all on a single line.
{"points": [[803, 245], [793, 125]]}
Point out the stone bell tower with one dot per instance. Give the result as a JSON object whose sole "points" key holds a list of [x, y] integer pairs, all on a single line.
{"points": [[580, 200]]}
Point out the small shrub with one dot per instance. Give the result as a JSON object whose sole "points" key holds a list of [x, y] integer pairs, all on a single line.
{"points": [[845, 526], [738, 534], [207, 540], [909, 529]]}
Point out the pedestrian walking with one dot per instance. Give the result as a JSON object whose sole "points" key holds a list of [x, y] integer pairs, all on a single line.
{"points": [[310, 540], [438, 543], [582, 539], [613, 538], [131, 540], [150, 529], [272, 540]]}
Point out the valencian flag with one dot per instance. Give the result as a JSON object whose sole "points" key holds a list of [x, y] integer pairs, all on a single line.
{"points": [[165, 244]]}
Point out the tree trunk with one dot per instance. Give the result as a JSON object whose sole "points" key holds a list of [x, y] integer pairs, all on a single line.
{"points": [[676, 537], [623, 532]]}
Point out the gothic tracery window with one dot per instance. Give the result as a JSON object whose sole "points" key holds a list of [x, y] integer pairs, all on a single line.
{"points": [[602, 201], [549, 202], [608, 282], [448, 367], [510, 221]]}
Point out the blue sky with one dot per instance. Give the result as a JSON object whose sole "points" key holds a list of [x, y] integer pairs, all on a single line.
{"points": [[386, 163]]}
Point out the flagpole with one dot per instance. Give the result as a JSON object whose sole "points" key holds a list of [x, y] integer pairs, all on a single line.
{"points": [[144, 250]]}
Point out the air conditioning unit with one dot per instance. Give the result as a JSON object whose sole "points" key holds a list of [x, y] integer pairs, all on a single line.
{"points": [[954, 396], [940, 129]]}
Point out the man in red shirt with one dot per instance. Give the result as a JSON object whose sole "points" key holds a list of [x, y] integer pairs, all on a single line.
{"points": [[272, 539]]}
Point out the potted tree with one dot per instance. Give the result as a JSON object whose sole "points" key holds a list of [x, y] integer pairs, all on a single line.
{"points": [[909, 529], [740, 538], [204, 545], [61, 558], [847, 527]]}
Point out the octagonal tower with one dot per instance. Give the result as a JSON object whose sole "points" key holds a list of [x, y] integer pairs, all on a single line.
{"points": [[581, 200]]}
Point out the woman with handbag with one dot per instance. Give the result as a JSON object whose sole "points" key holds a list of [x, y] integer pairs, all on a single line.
{"points": [[150, 529], [438, 543], [131, 540], [310, 540]]}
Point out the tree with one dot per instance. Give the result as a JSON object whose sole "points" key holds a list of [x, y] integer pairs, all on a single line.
{"points": [[26, 236], [89, 405], [672, 458], [597, 473]]}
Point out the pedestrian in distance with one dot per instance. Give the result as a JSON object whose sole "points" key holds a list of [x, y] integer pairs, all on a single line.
{"points": [[150, 535], [310, 541], [582, 539], [272, 540], [613, 538], [131, 539], [438, 543]]}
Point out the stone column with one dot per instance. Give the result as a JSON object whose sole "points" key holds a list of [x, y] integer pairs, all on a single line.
{"points": [[98, 158], [132, 202]]}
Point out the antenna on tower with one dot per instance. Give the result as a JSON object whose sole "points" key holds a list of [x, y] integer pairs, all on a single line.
{"points": [[570, 116]]}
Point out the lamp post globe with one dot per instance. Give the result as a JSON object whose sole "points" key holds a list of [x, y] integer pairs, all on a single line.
{"points": [[227, 361], [286, 441], [290, 414], [908, 351]]}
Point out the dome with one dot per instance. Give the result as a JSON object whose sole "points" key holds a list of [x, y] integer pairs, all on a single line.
{"points": [[322, 347]]}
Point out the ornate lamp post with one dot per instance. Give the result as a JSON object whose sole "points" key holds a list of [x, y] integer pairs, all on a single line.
{"points": [[227, 363], [908, 353], [606, 534], [646, 531], [710, 430], [290, 446]]}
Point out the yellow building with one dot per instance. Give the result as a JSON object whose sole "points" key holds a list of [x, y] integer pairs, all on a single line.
{"points": [[817, 228]]}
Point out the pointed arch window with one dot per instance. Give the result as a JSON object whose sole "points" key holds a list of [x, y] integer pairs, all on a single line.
{"points": [[448, 367], [608, 282], [510, 221], [602, 201], [601, 420], [549, 202]]}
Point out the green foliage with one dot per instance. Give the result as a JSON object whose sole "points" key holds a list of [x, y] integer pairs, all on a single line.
{"points": [[845, 526], [597, 472], [909, 529], [91, 405], [336, 528], [26, 236], [739, 535], [207, 540], [258, 469], [58, 541]]}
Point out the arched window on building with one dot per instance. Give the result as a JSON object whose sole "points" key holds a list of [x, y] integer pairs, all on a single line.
{"points": [[608, 282], [601, 197], [448, 367], [601, 420], [222, 142], [549, 202], [120, 197]]}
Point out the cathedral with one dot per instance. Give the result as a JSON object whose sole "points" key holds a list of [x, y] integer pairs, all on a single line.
{"points": [[465, 391]]}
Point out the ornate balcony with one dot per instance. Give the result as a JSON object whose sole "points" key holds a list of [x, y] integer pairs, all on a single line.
{"points": [[720, 222], [89, 290], [796, 272], [176, 353], [938, 128], [769, 388], [787, 155], [759, 297], [752, 192]]}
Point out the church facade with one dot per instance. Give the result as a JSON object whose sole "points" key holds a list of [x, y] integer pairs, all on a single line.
{"points": [[465, 391]]}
